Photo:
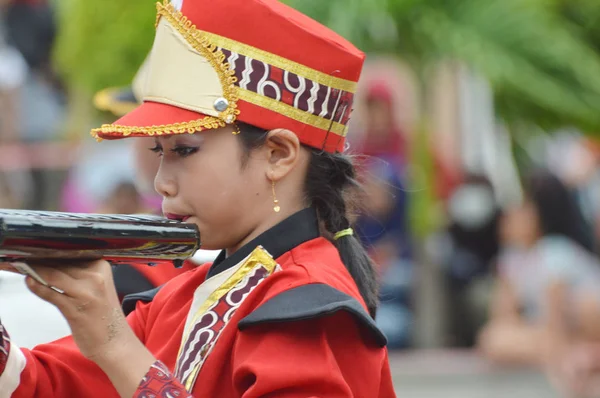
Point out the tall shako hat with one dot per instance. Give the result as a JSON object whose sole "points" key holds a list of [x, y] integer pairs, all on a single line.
{"points": [[256, 61]]}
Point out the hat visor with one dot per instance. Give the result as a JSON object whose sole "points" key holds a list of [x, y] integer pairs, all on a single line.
{"points": [[152, 118]]}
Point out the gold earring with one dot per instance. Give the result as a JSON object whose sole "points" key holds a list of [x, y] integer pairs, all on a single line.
{"points": [[276, 207]]}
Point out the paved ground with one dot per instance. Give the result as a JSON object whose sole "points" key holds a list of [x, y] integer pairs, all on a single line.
{"points": [[449, 374]]}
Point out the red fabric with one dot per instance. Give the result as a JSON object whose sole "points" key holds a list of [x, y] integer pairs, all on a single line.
{"points": [[318, 358], [159, 383], [379, 91], [154, 114], [59, 370], [447, 177], [326, 357], [305, 41]]}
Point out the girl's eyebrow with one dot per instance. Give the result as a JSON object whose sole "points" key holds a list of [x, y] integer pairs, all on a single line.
{"points": [[190, 139]]}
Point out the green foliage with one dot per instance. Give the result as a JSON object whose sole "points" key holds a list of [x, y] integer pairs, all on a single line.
{"points": [[102, 43], [366, 23], [541, 56]]}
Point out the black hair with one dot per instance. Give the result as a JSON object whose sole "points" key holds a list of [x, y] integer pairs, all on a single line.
{"points": [[557, 208], [482, 240], [331, 187]]}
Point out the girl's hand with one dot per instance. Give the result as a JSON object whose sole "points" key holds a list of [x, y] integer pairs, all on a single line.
{"points": [[90, 304]]}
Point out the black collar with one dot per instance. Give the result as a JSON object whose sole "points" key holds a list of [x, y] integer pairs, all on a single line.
{"points": [[283, 237]]}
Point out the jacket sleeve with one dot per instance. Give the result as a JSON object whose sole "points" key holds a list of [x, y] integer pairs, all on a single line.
{"points": [[56, 369], [311, 341], [322, 357], [160, 382]]}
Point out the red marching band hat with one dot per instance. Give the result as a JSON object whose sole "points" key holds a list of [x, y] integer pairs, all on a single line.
{"points": [[255, 61]]}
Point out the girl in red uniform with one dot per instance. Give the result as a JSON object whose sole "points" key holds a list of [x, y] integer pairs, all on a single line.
{"points": [[247, 103]]}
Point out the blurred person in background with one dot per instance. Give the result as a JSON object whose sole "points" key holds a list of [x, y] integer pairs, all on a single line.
{"points": [[576, 371], [585, 180], [575, 161], [13, 72], [7, 196], [95, 176], [383, 138], [466, 251], [17, 303], [548, 288], [123, 199], [383, 230], [383, 226], [30, 28]]}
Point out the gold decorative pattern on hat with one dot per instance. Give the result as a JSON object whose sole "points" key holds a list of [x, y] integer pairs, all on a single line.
{"points": [[196, 39], [200, 42], [293, 113], [282, 63], [209, 122]]}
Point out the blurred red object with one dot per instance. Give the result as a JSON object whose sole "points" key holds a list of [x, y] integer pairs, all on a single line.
{"points": [[383, 138], [593, 145]]}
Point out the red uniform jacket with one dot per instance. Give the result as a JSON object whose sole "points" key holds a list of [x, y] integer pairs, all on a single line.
{"points": [[246, 326]]}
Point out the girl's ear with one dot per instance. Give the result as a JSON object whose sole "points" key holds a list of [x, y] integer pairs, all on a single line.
{"points": [[283, 153]]}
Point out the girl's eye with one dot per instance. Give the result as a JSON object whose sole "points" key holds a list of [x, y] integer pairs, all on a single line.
{"points": [[183, 151], [157, 149]]}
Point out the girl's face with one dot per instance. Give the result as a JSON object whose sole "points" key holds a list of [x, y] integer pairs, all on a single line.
{"points": [[202, 181], [380, 119]]}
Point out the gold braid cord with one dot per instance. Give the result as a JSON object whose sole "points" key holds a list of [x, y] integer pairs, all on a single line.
{"points": [[215, 57]]}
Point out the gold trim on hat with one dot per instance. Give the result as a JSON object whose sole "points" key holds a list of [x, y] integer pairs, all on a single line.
{"points": [[210, 51], [282, 63], [215, 57], [291, 112], [208, 123]]}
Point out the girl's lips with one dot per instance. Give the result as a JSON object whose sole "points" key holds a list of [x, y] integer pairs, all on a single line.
{"points": [[176, 217]]}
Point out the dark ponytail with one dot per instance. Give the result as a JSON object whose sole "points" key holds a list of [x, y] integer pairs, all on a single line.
{"points": [[331, 188]]}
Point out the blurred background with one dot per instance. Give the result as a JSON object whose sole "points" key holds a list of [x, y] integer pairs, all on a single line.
{"points": [[477, 130]]}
